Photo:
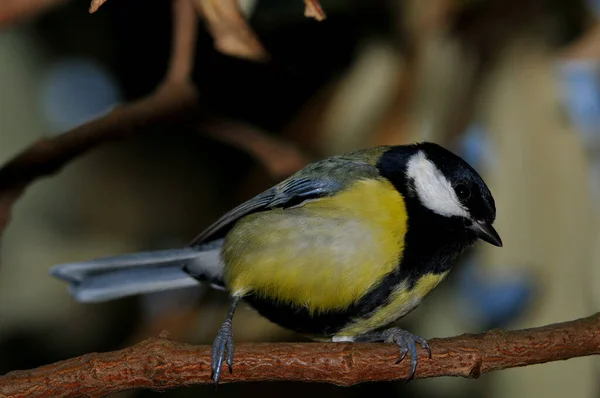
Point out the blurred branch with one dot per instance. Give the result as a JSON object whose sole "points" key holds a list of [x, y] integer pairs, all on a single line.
{"points": [[229, 29], [183, 44], [12, 11], [585, 47], [278, 157], [175, 97], [484, 31], [392, 129], [161, 364]]}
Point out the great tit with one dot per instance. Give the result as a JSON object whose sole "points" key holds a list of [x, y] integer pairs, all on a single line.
{"points": [[338, 251]]}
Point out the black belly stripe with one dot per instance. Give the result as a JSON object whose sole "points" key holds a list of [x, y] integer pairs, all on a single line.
{"points": [[327, 323]]}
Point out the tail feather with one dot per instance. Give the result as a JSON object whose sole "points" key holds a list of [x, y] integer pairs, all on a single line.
{"points": [[139, 273]]}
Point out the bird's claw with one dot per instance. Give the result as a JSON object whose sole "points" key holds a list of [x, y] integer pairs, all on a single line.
{"points": [[407, 343], [223, 344], [403, 353]]}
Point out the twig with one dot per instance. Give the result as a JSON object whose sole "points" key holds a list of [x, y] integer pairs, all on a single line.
{"points": [[183, 44], [229, 29], [162, 364], [278, 157], [175, 97]]}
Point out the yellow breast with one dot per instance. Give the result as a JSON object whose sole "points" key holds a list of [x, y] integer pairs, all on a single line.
{"points": [[323, 255]]}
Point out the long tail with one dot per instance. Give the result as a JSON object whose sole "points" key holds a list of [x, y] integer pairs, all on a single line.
{"points": [[144, 272]]}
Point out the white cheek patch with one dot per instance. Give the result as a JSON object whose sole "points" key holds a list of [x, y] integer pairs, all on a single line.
{"points": [[433, 189]]}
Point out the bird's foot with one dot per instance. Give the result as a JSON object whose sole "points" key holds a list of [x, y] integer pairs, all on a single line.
{"points": [[404, 340], [222, 346]]}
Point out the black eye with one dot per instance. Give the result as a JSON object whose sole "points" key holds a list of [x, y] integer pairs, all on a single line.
{"points": [[462, 191]]}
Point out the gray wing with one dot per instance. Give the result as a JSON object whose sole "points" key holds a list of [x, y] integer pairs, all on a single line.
{"points": [[320, 179]]}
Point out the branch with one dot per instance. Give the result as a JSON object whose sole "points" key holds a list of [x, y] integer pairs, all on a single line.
{"points": [[586, 47], [175, 97], [279, 157], [161, 364], [183, 43], [12, 11]]}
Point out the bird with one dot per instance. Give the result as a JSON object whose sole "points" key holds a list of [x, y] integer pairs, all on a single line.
{"points": [[336, 252]]}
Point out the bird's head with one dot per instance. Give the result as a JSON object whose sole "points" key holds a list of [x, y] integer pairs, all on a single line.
{"points": [[444, 184]]}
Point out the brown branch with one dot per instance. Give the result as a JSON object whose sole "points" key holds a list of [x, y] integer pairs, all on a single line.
{"points": [[12, 11], [162, 364], [183, 43], [313, 9], [175, 97], [279, 157]]}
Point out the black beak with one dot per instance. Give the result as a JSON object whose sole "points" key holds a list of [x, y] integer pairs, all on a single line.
{"points": [[486, 232]]}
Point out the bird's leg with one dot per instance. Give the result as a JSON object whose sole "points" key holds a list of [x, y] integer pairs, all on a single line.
{"points": [[223, 343], [404, 340]]}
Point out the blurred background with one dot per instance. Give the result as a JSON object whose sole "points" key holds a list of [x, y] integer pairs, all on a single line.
{"points": [[512, 86]]}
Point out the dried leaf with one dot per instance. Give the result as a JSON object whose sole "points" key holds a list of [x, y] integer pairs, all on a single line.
{"points": [[229, 29], [314, 10], [95, 5]]}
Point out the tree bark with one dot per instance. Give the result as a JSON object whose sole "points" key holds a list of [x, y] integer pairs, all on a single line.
{"points": [[160, 364]]}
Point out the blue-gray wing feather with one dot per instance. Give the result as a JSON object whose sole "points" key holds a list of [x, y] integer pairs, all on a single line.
{"points": [[285, 195], [317, 180]]}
